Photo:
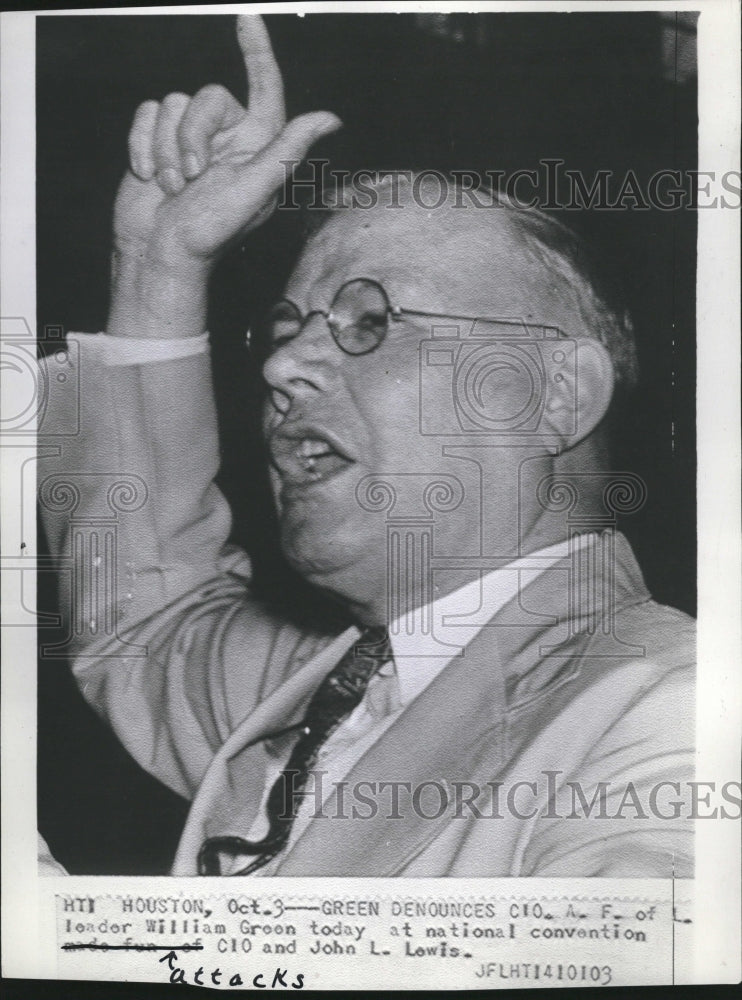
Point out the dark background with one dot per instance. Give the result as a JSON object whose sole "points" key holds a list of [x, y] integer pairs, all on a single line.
{"points": [[476, 92]]}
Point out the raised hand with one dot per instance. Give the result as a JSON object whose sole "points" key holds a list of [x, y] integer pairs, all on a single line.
{"points": [[204, 170]]}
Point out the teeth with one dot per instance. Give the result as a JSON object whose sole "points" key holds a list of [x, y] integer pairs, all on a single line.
{"points": [[309, 450], [310, 447]]}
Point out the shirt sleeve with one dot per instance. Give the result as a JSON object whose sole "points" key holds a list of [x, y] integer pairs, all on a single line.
{"points": [[145, 350]]}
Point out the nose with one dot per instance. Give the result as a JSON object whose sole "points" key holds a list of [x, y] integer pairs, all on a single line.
{"points": [[305, 363]]}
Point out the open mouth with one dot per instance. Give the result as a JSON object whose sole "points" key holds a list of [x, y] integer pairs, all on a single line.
{"points": [[305, 456]]}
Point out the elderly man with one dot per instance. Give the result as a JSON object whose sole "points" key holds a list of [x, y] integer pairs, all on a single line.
{"points": [[509, 699]]}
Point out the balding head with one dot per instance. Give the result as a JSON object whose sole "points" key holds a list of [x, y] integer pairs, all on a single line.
{"points": [[553, 275]]}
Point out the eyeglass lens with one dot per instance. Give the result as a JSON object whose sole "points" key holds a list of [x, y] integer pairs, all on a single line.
{"points": [[358, 318]]}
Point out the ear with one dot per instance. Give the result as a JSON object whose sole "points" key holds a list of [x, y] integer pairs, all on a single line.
{"points": [[577, 402]]}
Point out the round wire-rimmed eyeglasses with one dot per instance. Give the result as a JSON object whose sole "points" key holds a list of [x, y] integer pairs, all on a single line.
{"points": [[359, 318]]}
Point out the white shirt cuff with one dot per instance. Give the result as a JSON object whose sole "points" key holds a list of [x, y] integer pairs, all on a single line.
{"points": [[120, 351]]}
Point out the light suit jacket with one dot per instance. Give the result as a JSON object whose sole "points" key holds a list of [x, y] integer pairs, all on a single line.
{"points": [[192, 673]]}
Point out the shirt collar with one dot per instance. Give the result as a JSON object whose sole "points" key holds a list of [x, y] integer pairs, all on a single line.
{"points": [[427, 639]]}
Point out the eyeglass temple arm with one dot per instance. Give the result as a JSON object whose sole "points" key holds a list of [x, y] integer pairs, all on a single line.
{"points": [[398, 311]]}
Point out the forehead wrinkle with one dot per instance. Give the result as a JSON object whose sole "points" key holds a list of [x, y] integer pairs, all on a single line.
{"points": [[346, 249], [451, 259]]}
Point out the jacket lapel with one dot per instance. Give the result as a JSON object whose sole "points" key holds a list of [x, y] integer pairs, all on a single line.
{"points": [[438, 740], [231, 791], [456, 731]]}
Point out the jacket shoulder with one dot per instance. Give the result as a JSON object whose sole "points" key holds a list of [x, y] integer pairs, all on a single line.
{"points": [[660, 634]]}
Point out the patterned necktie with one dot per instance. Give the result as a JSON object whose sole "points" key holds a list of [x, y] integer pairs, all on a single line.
{"points": [[336, 697]]}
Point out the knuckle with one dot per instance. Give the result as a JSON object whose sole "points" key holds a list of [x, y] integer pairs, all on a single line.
{"points": [[164, 150], [212, 92], [146, 112], [189, 133], [200, 118], [174, 101]]}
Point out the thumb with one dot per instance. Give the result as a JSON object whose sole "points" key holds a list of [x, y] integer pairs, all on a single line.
{"points": [[261, 176]]}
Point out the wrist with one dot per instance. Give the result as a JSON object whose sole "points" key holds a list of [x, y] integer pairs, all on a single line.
{"points": [[154, 298]]}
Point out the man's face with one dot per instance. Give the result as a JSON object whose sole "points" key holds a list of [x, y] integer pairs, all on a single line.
{"points": [[334, 418]]}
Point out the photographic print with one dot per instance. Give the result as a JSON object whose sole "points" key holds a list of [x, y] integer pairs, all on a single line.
{"points": [[364, 414]]}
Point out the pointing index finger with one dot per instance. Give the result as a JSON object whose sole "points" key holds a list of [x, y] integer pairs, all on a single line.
{"points": [[263, 75]]}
